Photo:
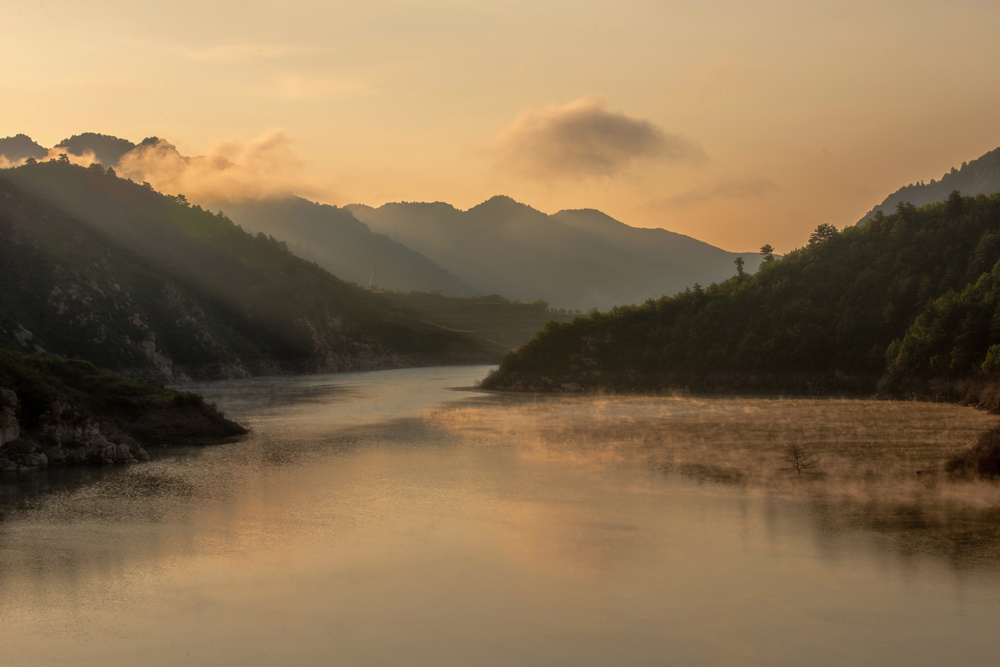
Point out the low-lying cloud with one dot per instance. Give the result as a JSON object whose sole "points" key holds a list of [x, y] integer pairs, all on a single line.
{"points": [[738, 189], [232, 170], [85, 160], [584, 139]]}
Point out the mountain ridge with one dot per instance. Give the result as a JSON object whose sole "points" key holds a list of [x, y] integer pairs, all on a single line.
{"points": [[147, 285], [978, 177]]}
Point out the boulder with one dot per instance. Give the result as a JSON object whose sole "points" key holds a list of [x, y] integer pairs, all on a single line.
{"points": [[36, 460]]}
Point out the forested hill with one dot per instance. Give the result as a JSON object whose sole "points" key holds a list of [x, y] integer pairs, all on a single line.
{"points": [[20, 147], [911, 299], [103, 269], [108, 150], [979, 177]]}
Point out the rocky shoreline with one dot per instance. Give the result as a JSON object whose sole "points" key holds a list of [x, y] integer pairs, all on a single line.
{"points": [[56, 412], [61, 436]]}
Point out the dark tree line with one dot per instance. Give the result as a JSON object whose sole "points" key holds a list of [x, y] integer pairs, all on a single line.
{"points": [[915, 294]]}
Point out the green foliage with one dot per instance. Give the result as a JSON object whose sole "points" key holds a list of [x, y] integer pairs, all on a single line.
{"points": [[96, 265], [823, 233], [981, 176], [907, 293], [40, 380]]}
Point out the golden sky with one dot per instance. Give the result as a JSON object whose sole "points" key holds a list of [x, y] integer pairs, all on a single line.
{"points": [[737, 123]]}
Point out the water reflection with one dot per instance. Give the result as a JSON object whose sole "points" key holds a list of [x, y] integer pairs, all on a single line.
{"points": [[385, 519]]}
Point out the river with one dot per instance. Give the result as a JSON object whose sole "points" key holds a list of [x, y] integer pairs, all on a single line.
{"points": [[402, 518]]}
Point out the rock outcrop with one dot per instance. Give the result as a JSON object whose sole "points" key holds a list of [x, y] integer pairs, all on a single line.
{"points": [[61, 435]]}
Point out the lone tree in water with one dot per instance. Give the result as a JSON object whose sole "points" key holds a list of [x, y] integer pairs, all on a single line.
{"points": [[739, 267], [798, 460], [768, 253]]}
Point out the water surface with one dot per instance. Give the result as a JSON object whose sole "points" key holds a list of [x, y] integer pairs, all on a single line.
{"points": [[388, 519]]}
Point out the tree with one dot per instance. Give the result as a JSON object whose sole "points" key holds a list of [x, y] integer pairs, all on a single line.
{"points": [[63, 158], [768, 252], [739, 267], [798, 460], [823, 233], [955, 204]]}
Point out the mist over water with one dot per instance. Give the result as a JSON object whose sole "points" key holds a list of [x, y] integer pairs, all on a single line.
{"points": [[387, 518]]}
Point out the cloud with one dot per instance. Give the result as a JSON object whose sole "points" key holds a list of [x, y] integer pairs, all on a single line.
{"points": [[730, 188], [583, 139], [84, 160], [232, 170]]}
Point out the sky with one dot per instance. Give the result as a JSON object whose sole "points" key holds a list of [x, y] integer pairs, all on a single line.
{"points": [[738, 123]]}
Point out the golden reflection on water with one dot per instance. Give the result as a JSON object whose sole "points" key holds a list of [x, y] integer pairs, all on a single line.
{"points": [[383, 519]]}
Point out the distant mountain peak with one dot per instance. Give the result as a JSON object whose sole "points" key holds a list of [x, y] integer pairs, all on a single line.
{"points": [[106, 148], [21, 146], [502, 204]]}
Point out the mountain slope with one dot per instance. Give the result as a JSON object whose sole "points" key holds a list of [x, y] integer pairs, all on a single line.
{"points": [[913, 295], [509, 248], [113, 272], [979, 177], [327, 235], [336, 240], [107, 149], [704, 263], [20, 147]]}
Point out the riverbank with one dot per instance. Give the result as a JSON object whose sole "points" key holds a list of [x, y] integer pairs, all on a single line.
{"points": [[62, 412]]}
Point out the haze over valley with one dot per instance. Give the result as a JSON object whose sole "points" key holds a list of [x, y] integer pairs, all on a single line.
{"points": [[499, 333]]}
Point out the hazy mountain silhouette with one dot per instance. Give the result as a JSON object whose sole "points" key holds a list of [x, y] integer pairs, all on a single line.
{"points": [[103, 269], [107, 149], [979, 177], [702, 262], [576, 259], [21, 146], [336, 240]]}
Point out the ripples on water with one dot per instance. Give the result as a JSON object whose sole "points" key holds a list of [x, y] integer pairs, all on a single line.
{"points": [[385, 518]]}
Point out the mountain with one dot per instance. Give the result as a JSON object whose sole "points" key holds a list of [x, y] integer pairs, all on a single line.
{"points": [[336, 240], [908, 303], [330, 236], [100, 268], [704, 263], [979, 177], [107, 149], [493, 317], [20, 147], [575, 259]]}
